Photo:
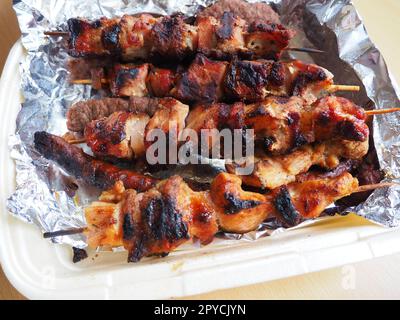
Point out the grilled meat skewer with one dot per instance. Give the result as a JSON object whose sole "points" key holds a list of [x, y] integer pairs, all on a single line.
{"points": [[161, 219], [171, 38], [280, 125], [208, 81], [270, 172]]}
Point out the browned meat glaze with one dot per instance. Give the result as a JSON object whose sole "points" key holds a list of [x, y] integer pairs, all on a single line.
{"points": [[271, 172], [280, 125], [82, 166], [161, 219], [207, 80], [171, 38]]}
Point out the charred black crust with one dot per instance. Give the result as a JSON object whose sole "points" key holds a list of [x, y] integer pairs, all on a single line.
{"points": [[82, 166], [190, 90], [75, 29], [115, 136], [259, 111], [164, 221], [122, 76], [283, 204], [348, 130], [78, 255], [277, 74], [225, 32], [235, 205], [304, 79], [324, 118], [254, 76], [167, 39], [110, 38], [268, 142], [298, 138], [138, 250], [128, 227], [50, 148], [264, 27]]}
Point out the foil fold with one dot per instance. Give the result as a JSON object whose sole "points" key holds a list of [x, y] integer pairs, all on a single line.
{"points": [[42, 196]]}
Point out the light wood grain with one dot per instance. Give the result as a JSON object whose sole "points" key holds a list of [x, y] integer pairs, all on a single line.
{"points": [[9, 30], [377, 278]]}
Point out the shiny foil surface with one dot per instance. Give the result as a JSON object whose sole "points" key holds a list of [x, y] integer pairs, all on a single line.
{"points": [[42, 196]]}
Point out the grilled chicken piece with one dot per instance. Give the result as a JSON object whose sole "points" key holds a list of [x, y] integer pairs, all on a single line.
{"points": [[282, 125], [154, 222], [134, 39], [172, 38], [268, 40], [129, 80], [230, 34], [159, 220], [121, 135], [125, 135], [240, 211], [161, 82], [202, 82], [169, 118], [272, 172], [223, 37], [312, 195], [249, 80], [86, 38], [94, 172]]}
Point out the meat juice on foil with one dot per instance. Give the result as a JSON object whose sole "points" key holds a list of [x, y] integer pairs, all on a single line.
{"points": [[46, 196]]}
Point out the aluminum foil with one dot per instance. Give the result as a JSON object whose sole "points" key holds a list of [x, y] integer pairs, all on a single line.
{"points": [[42, 195]]}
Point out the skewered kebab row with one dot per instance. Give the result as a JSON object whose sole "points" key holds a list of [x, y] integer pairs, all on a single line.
{"points": [[280, 125], [171, 38], [271, 172], [161, 219], [208, 80]]}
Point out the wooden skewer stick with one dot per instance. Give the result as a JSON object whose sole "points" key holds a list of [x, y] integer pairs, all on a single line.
{"points": [[56, 33], [381, 111], [88, 81], [307, 50], [331, 89], [371, 187], [338, 87], [61, 233], [77, 141]]}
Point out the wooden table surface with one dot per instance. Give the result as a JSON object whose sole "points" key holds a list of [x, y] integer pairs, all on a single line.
{"points": [[377, 278]]}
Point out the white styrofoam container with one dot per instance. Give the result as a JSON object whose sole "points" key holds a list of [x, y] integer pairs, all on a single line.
{"points": [[40, 269]]}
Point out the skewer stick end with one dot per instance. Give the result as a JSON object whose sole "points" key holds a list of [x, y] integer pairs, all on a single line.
{"points": [[338, 87], [61, 233], [371, 187], [381, 111]]}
